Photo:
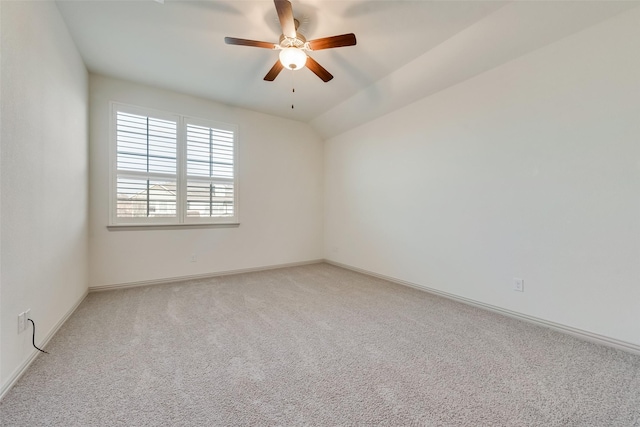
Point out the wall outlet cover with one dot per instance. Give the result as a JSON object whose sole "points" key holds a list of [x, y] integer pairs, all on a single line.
{"points": [[22, 318], [518, 284]]}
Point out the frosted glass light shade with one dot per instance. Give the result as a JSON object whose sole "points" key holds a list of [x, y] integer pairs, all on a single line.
{"points": [[293, 58]]}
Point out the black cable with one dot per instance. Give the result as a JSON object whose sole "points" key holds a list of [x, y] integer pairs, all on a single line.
{"points": [[33, 339]]}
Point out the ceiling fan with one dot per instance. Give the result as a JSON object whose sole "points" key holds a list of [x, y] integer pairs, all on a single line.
{"points": [[293, 46]]}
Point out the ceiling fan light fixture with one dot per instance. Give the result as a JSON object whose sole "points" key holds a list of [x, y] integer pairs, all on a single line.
{"points": [[293, 58]]}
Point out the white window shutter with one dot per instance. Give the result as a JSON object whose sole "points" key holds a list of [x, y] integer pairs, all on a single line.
{"points": [[210, 172], [146, 167]]}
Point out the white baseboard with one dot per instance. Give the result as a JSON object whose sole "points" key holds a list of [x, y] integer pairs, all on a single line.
{"points": [[199, 276], [15, 376], [579, 333]]}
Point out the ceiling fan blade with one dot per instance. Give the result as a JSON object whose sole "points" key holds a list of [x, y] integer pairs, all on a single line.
{"points": [[274, 71], [285, 15], [334, 41], [252, 43], [318, 69]]}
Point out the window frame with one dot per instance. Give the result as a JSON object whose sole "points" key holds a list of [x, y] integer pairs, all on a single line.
{"points": [[181, 219]]}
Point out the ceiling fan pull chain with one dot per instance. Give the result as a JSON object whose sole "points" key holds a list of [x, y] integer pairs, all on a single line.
{"points": [[293, 86]]}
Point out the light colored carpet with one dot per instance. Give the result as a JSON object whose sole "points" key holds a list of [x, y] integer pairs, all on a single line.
{"points": [[315, 345]]}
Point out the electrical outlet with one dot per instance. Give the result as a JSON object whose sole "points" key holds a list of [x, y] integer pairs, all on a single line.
{"points": [[518, 284], [194, 258], [21, 322], [27, 316]]}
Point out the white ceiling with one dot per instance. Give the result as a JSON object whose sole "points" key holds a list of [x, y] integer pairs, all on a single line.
{"points": [[179, 45]]}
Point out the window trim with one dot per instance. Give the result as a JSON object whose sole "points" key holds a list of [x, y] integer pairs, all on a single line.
{"points": [[181, 219]]}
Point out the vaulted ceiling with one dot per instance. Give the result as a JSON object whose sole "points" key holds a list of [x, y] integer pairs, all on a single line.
{"points": [[405, 49]]}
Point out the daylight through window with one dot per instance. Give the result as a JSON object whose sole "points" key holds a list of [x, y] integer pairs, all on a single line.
{"points": [[172, 169]]}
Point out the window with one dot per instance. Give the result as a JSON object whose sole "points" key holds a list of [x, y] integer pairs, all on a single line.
{"points": [[172, 169]]}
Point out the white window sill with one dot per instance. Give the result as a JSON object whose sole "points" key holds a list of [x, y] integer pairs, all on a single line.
{"points": [[122, 227]]}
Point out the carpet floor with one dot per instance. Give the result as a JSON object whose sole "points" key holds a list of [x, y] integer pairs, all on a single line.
{"points": [[315, 345]]}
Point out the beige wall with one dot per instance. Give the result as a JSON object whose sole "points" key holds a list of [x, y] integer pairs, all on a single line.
{"points": [[44, 175], [280, 195], [529, 170]]}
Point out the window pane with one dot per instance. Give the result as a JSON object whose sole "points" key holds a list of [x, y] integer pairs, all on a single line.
{"points": [[145, 198], [207, 199], [209, 152], [145, 144]]}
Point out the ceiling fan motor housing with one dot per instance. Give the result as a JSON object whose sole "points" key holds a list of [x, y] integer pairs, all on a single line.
{"points": [[299, 42]]}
